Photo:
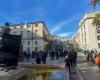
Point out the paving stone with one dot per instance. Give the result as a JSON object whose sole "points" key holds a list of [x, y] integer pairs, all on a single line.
{"points": [[88, 70]]}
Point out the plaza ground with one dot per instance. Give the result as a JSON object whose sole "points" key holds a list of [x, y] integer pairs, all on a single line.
{"points": [[85, 70]]}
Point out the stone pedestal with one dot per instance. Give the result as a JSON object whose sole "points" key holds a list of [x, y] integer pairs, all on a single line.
{"points": [[17, 74]]}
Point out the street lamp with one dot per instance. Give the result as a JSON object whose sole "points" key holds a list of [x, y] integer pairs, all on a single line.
{"points": [[32, 39]]}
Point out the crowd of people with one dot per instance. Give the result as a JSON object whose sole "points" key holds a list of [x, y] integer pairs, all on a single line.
{"points": [[91, 54], [41, 56]]}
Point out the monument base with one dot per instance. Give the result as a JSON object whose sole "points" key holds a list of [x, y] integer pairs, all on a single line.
{"points": [[17, 74]]}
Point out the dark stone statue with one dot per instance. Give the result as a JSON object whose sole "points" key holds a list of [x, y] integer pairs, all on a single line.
{"points": [[9, 50]]}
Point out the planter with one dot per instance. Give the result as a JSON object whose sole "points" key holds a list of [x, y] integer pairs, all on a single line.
{"points": [[97, 59]]}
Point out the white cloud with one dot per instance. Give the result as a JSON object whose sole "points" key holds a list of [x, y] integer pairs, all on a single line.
{"points": [[58, 26], [65, 34]]}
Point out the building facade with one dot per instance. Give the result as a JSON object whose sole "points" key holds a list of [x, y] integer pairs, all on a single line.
{"points": [[88, 34], [35, 36]]}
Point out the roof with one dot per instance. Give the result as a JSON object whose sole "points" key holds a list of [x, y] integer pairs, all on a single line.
{"points": [[24, 23], [89, 15], [21, 24]]}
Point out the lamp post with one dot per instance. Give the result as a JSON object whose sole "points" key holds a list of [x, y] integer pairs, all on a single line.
{"points": [[21, 45], [32, 39]]}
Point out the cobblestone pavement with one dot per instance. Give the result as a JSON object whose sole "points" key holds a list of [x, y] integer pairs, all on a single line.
{"points": [[88, 70], [75, 75]]}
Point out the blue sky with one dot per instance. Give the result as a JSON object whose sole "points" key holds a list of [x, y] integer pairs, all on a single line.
{"points": [[61, 16]]}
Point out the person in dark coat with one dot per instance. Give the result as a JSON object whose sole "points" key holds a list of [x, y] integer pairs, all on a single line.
{"points": [[91, 56], [67, 62], [75, 58], [43, 57], [70, 56], [52, 54], [57, 55], [88, 55], [38, 60]]}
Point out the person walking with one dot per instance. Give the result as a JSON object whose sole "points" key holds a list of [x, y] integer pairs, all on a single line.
{"points": [[75, 58], [70, 55], [67, 62]]}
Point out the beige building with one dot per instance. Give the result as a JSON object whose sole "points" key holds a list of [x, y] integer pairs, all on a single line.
{"points": [[35, 35], [88, 35]]}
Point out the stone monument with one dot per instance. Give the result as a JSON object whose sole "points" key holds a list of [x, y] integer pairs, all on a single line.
{"points": [[9, 53], [9, 50]]}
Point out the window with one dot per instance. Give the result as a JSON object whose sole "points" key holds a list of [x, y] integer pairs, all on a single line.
{"points": [[98, 27], [81, 29], [36, 25], [98, 45], [84, 33], [98, 31], [36, 32], [28, 49], [36, 49], [84, 26], [36, 43], [85, 38], [28, 42], [98, 37]]}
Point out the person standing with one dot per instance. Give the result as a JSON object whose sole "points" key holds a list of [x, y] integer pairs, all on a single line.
{"points": [[57, 55], [88, 55], [28, 56], [43, 57], [38, 59], [52, 54], [91, 55]]}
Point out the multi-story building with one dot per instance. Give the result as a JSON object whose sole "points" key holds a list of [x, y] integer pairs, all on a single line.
{"points": [[60, 43], [76, 39], [35, 36], [57, 44], [88, 34]]}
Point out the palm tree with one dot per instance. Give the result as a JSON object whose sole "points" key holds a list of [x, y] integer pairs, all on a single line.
{"points": [[94, 3]]}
